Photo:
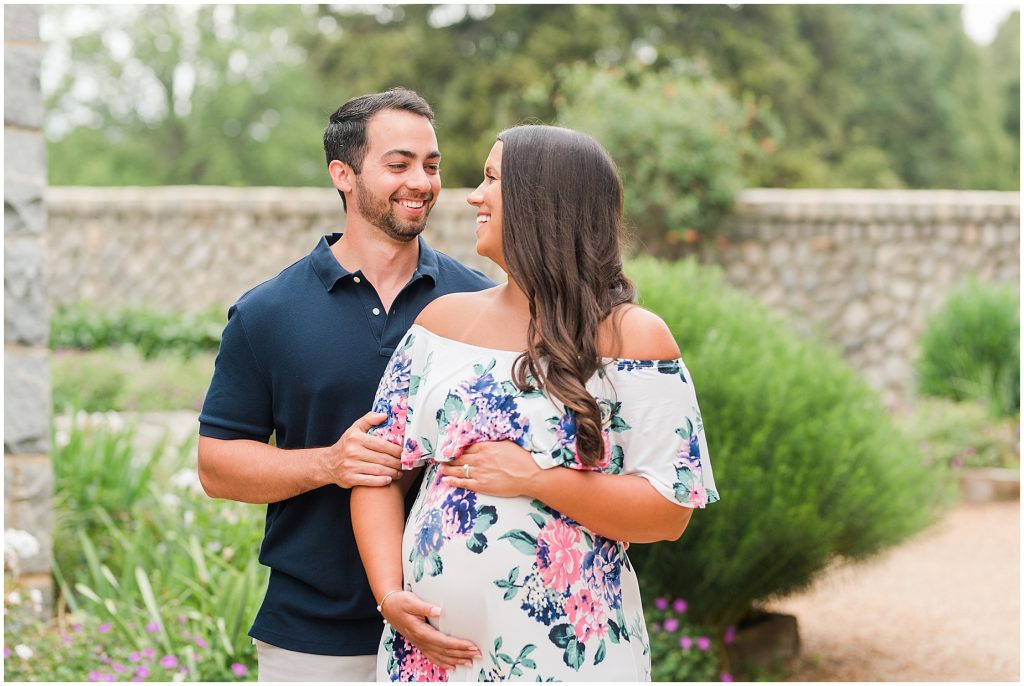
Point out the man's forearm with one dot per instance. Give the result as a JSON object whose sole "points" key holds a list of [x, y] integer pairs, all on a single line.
{"points": [[254, 472]]}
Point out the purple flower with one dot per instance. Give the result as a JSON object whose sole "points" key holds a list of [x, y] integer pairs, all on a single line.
{"points": [[118, 667], [141, 672], [671, 625], [148, 652], [201, 643], [703, 642], [725, 677], [7, 653], [661, 603], [679, 605], [730, 635], [105, 660], [152, 628], [685, 642], [239, 669], [106, 677], [168, 662], [181, 619], [66, 638], [94, 675], [957, 463], [135, 657], [104, 628], [76, 627]]}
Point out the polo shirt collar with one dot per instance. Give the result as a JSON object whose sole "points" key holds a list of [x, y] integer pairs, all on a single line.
{"points": [[330, 271]]}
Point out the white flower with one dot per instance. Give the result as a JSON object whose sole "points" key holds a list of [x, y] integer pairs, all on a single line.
{"points": [[187, 479], [228, 553], [23, 651], [114, 421], [170, 500], [14, 598], [190, 517], [62, 438], [36, 596]]}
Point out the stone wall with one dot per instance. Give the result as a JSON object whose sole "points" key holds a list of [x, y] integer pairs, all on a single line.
{"points": [[28, 476], [861, 269]]}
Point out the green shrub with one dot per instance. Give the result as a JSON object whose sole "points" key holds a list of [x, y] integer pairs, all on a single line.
{"points": [[680, 650], [121, 379], [145, 563], [88, 327], [970, 349], [681, 141], [808, 463], [961, 434]]}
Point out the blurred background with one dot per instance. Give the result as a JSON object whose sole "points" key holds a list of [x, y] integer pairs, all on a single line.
{"points": [[821, 201]]}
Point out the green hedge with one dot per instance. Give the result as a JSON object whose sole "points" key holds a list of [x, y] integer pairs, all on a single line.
{"points": [[971, 348], [808, 463]]}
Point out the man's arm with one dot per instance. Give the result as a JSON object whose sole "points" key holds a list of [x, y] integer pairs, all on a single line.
{"points": [[254, 472]]}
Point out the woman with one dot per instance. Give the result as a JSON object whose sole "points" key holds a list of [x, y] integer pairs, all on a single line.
{"points": [[554, 420]]}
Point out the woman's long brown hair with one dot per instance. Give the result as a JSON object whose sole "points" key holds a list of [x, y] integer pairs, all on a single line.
{"points": [[562, 222]]}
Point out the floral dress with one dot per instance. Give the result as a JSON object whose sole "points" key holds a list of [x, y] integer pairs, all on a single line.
{"points": [[544, 598]]}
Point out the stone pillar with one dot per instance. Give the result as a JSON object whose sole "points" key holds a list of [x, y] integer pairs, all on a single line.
{"points": [[28, 474]]}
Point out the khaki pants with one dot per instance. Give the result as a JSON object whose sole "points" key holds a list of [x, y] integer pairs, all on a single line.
{"points": [[278, 664]]}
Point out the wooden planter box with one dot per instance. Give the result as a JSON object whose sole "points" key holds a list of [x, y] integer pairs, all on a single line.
{"points": [[987, 485]]}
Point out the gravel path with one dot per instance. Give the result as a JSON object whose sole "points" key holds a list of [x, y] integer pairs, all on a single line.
{"points": [[944, 606]]}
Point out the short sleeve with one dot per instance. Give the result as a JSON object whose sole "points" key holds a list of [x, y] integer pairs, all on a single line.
{"points": [[398, 397], [657, 432], [238, 403]]}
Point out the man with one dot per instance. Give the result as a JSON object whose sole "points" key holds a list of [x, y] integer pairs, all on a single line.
{"points": [[300, 358]]}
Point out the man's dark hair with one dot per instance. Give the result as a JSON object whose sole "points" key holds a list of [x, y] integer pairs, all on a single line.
{"points": [[345, 135]]}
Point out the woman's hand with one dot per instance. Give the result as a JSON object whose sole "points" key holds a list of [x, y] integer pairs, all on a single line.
{"points": [[407, 613], [499, 468]]}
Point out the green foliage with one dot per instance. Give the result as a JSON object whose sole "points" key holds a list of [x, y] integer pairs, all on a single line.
{"points": [[680, 650], [961, 434], [890, 95], [971, 348], [131, 565], [680, 140], [87, 326], [808, 463], [121, 379]]}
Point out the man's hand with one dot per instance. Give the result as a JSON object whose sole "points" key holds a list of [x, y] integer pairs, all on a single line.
{"points": [[359, 459], [407, 613], [499, 468]]}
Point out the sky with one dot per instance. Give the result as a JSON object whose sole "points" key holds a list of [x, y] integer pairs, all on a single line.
{"points": [[981, 19]]}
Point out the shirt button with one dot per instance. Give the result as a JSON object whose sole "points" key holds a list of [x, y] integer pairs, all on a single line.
{"points": [[376, 310], [356, 279]]}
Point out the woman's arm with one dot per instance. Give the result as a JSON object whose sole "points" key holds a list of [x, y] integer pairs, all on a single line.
{"points": [[378, 521], [619, 507]]}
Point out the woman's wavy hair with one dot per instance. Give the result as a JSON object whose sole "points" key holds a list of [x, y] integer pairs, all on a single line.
{"points": [[562, 225]]}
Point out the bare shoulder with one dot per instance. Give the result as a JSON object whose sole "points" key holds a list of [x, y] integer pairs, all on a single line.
{"points": [[642, 335], [444, 315]]}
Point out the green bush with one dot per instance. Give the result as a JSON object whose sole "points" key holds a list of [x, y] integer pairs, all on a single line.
{"points": [[961, 434], [121, 379], [152, 572], [808, 463], [970, 349], [680, 650], [680, 140], [87, 327]]}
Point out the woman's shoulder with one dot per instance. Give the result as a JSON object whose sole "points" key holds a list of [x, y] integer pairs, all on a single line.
{"points": [[446, 315], [634, 333]]}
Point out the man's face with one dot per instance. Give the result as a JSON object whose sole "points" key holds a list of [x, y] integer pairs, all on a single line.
{"points": [[401, 176]]}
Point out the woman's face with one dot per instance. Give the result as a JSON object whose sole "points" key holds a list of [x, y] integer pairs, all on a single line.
{"points": [[487, 201]]}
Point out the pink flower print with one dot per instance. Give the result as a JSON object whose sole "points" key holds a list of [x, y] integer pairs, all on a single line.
{"points": [[698, 498], [679, 605], [411, 453], [587, 616], [661, 603], [703, 642], [416, 667], [558, 558]]}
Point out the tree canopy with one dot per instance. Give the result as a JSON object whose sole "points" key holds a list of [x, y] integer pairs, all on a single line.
{"points": [[860, 95]]}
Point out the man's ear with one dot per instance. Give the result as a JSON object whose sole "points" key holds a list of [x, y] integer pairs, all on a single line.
{"points": [[341, 175]]}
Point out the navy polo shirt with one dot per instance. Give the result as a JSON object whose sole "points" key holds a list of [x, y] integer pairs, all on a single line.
{"points": [[301, 357]]}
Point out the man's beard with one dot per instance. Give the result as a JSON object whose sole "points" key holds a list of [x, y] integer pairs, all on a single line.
{"points": [[381, 214]]}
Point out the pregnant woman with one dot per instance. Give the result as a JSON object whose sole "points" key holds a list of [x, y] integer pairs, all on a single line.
{"points": [[553, 420]]}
